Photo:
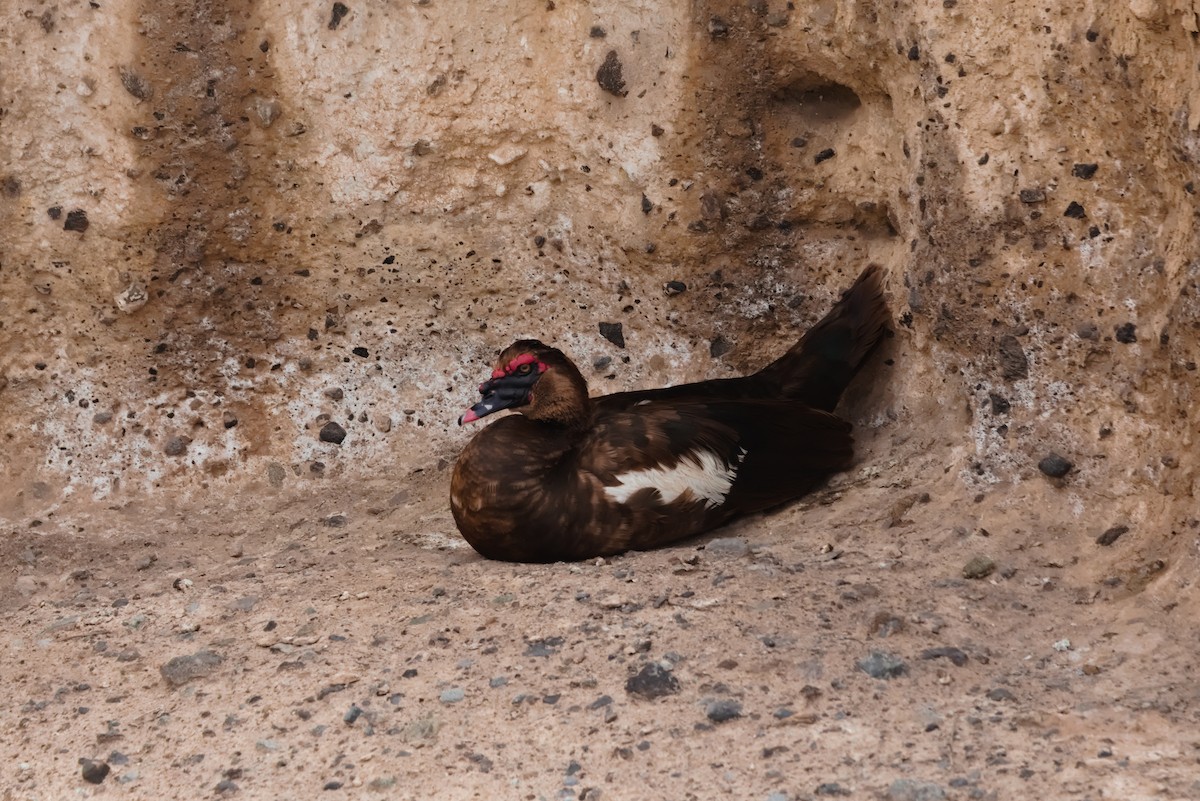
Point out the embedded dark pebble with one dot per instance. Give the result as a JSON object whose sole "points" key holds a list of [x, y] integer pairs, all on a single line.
{"points": [[718, 28], [229, 420], [546, 646], [332, 432], [1111, 535], [1013, 363], [656, 130], [601, 702], [1055, 466], [614, 333], [94, 772], [176, 446], [799, 142], [227, 786], [882, 665], [652, 681], [1087, 331], [675, 287], [602, 363], [55, 212], [979, 567], [1000, 404], [1074, 211], [340, 10], [1032, 195], [335, 393], [361, 352], [956, 655], [539, 240], [1126, 333], [824, 155], [335, 521], [352, 714], [1084, 171], [335, 785], [609, 75], [77, 220], [984, 159], [597, 32], [1000, 694], [723, 709], [719, 346], [182, 669], [135, 84], [831, 788], [647, 205], [914, 53]]}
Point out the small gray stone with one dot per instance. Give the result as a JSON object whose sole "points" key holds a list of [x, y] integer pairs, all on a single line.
{"points": [[1111, 535], [723, 709], [1000, 694], [882, 665], [452, 695], [177, 446], [728, 546], [979, 567], [182, 669], [910, 790], [275, 474]]}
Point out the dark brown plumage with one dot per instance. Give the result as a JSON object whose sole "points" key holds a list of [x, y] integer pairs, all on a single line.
{"points": [[573, 477]]}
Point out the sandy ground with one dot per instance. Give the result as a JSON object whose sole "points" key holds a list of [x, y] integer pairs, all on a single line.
{"points": [[343, 640]]}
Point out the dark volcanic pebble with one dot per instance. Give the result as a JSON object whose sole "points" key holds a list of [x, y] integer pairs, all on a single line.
{"points": [[1127, 333], [340, 10], [176, 446], [1084, 171], [675, 287], [824, 155], [956, 655], [1074, 211], [718, 28], [94, 772], [182, 669], [719, 346], [882, 665], [77, 220], [614, 333], [609, 75], [1000, 694], [1055, 466], [723, 709], [1000, 404], [652, 681], [1013, 363], [332, 432], [1032, 195], [1112, 535]]}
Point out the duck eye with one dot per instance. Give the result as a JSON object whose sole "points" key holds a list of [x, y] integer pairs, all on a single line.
{"points": [[524, 369]]}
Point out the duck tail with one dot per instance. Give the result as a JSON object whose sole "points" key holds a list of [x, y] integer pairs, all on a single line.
{"points": [[817, 369]]}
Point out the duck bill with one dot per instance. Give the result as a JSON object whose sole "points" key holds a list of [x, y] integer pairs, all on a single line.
{"points": [[492, 402]]}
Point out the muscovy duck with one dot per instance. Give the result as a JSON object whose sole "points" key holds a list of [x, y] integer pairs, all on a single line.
{"points": [[573, 477]]}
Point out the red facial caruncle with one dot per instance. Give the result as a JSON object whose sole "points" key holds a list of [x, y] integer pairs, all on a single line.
{"points": [[511, 367]]}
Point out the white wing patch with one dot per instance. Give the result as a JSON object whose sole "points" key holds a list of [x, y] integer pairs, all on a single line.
{"points": [[703, 473]]}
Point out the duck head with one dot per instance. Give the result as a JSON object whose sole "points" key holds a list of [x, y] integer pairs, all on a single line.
{"points": [[536, 379]]}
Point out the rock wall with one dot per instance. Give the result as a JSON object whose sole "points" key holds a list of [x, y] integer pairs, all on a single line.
{"points": [[226, 224]]}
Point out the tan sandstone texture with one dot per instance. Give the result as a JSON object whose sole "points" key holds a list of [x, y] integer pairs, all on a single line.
{"points": [[226, 225]]}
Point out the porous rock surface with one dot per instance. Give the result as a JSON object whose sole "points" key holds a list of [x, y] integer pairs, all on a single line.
{"points": [[256, 257]]}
